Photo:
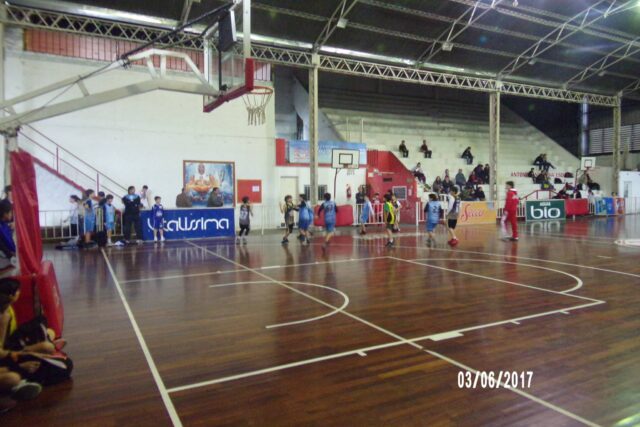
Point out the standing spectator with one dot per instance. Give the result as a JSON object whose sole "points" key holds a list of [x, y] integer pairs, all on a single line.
{"points": [[109, 215], [74, 217], [546, 164], [131, 216], [419, 173], [479, 170], [460, 179], [215, 199], [447, 185], [157, 212], [446, 173], [424, 149], [377, 207], [360, 195], [146, 197], [183, 200], [466, 154], [89, 216], [403, 149], [487, 173], [437, 185], [532, 174]]}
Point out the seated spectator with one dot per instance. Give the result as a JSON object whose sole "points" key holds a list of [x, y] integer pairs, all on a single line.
{"points": [[541, 178], [479, 194], [487, 173], [479, 170], [418, 173], [466, 154], [437, 185], [183, 200], [424, 149], [403, 149], [546, 164], [7, 194], [467, 194], [538, 161], [447, 185], [561, 195], [461, 180], [591, 184], [215, 199], [473, 180], [532, 174], [8, 261]]}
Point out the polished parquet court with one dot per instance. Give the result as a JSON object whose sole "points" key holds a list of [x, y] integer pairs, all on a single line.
{"points": [[208, 333]]}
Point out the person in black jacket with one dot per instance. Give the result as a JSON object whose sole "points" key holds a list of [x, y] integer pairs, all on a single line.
{"points": [[131, 215]]}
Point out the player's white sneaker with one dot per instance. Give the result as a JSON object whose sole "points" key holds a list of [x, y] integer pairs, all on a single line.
{"points": [[162, 239], [155, 239]]}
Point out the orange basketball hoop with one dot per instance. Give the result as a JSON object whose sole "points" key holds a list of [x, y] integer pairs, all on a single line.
{"points": [[256, 102]]}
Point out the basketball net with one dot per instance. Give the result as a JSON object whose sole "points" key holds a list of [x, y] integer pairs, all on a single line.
{"points": [[256, 102]]}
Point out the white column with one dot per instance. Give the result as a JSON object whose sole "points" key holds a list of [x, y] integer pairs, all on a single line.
{"points": [[494, 139], [617, 122], [313, 132]]}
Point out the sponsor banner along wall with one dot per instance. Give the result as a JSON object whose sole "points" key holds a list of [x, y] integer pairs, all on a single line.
{"points": [[540, 210], [477, 213], [191, 223]]}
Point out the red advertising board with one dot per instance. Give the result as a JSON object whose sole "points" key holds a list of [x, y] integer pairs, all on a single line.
{"points": [[576, 207]]}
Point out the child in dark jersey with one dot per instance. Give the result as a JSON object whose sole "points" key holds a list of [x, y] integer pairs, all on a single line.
{"points": [[244, 220]]}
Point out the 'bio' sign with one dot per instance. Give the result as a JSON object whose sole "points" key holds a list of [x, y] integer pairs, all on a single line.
{"points": [[539, 210]]}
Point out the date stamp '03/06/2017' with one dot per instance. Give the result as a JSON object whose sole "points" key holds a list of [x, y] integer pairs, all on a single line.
{"points": [[495, 379]]}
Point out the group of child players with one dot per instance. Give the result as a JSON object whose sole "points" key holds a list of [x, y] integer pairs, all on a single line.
{"points": [[434, 211]]}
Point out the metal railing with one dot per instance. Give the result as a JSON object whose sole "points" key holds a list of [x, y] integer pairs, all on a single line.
{"points": [[67, 164], [56, 225]]}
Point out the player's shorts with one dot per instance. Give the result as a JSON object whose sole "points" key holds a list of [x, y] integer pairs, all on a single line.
{"points": [[110, 226], [158, 224], [303, 225], [89, 224], [431, 226], [391, 226], [330, 227], [452, 223], [364, 219]]}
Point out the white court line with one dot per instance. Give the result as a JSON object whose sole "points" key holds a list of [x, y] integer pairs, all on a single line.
{"points": [[604, 257], [285, 366], [344, 296], [461, 251], [166, 399], [494, 279], [180, 276], [578, 285], [582, 242], [269, 267], [374, 326], [518, 391]]}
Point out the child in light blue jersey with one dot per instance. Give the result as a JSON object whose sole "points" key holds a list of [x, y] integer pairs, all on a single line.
{"points": [[109, 215], [367, 210], [432, 214], [330, 210]]}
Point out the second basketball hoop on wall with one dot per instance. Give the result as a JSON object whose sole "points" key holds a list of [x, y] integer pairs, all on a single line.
{"points": [[345, 159]]}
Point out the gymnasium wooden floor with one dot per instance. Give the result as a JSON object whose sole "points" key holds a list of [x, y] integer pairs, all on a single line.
{"points": [[206, 333]]}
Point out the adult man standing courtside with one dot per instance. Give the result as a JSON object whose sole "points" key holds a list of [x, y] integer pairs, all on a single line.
{"points": [[131, 216]]}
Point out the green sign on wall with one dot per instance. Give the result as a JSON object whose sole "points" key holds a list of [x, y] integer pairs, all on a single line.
{"points": [[541, 210]]}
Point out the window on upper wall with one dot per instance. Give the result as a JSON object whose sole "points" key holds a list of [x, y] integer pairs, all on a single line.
{"points": [[601, 140]]}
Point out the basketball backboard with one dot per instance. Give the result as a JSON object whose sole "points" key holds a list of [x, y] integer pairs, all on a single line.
{"points": [[587, 163], [228, 69], [345, 159]]}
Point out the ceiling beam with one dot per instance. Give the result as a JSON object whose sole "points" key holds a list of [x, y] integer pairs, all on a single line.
{"points": [[464, 21], [343, 9], [602, 64], [488, 28], [356, 67], [575, 24], [186, 10]]}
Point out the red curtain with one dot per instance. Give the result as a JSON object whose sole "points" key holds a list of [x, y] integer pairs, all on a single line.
{"points": [[25, 211]]}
